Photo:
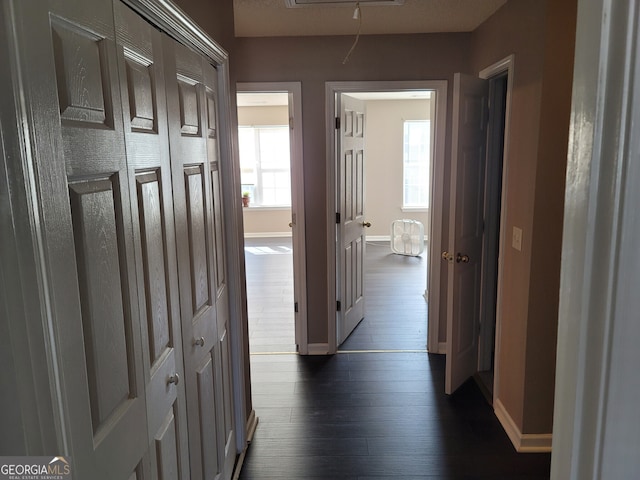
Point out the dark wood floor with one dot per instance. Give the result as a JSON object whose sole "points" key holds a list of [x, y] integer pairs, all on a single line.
{"points": [[363, 415], [396, 310]]}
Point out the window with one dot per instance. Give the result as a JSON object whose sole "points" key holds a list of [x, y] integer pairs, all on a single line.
{"points": [[416, 163], [265, 165]]}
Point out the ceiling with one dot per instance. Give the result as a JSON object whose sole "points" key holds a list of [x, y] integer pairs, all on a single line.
{"points": [[267, 18]]}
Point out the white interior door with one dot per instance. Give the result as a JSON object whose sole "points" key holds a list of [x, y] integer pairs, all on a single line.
{"points": [[141, 70], [86, 203], [351, 218], [202, 277], [470, 115]]}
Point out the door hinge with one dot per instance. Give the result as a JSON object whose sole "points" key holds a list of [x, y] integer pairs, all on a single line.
{"points": [[337, 217], [338, 306], [295, 307], [337, 123]]}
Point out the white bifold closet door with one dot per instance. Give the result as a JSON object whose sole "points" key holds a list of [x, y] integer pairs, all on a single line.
{"points": [[191, 93], [126, 160]]}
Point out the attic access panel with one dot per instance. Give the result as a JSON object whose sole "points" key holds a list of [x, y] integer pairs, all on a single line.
{"points": [[337, 3]]}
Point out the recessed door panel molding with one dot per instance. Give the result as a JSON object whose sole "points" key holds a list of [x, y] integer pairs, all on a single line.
{"points": [[142, 104], [189, 107], [80, 62], [153, 236], [208, 424], [211, 114], [348, 121], [198, 237], [167, 449], [106, 324], [218, 222]]}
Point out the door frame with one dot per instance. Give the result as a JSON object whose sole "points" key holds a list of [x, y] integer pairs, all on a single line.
{"points": [[294, 91], [505, 65], [332, 89], [33, 302]]}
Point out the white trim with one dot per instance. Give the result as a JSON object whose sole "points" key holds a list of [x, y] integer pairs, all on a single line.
{"points": [[252, 424], [260, 208], [298, 218], [597, 388], [174, 21], [378, 238], [433, 231], [319, 349], [268, 235], [522, 442], [31, 340], [441, 348], [414, 209], [507, 64]]}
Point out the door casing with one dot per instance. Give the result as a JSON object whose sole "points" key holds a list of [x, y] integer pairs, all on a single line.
{"points": [[332, 89], [506, 65], [294, 91]]}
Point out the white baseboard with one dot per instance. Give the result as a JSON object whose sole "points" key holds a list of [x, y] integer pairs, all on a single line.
{"points": [[522, 442], [318, 349], [267, 235], [378, 238], [252, 424]]}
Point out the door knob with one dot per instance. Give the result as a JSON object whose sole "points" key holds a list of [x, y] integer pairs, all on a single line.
{"points": [[366, 224], [290, 224], [447, 256], [199, 342], [175, 379], [460, 258]]}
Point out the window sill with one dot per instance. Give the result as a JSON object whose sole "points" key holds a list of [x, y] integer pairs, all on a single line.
{"points": [[260, 208], [415, 209]]}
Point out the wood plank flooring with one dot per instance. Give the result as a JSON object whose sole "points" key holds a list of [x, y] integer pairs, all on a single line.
{"points": [[269, 265], [365, 416]]}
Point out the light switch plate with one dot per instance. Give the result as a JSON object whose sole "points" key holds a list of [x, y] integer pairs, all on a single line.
{"points": [[516, 240]]}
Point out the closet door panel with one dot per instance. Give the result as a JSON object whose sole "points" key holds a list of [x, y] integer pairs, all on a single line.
{"points": [[141, 73], [225, 403], [86, 211], [192, 123]]}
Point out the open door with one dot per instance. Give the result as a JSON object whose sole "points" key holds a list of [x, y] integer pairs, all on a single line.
{"points": [[350, 216], [470, 114]]}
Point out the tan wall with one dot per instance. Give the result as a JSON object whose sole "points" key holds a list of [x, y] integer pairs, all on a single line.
{"points": [[538, 139], [266, 222], [314, 61], [259, 221], [555, 111], [267, 115], [384, 132]]}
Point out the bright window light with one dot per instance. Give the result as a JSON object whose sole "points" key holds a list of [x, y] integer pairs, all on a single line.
{"points": [[416, 163], [265, 165]]}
